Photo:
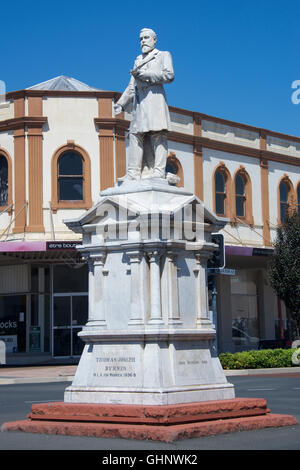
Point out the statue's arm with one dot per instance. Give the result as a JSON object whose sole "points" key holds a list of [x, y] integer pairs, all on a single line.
{"points": [[126, 98]]}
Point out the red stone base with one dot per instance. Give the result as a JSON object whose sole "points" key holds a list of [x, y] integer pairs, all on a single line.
{"points": [[158, 423]]}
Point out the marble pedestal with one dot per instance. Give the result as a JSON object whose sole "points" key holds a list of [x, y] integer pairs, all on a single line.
{"points": [[149, 333], [147, 368]]}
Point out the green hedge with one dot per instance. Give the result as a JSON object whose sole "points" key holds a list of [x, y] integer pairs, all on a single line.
{"points": [[257, 359]]}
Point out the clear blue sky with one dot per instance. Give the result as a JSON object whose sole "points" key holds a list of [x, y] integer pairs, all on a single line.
{"points": [[232, 59]]}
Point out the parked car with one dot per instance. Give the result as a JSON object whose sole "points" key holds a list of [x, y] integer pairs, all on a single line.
{"points": [[242, 341], [274, 344]]}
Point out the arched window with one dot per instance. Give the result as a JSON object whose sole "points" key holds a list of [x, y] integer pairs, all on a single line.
{"points": [[298, 199], [240, 196], [283, 200], [71, 178], [286, 198], [171, 167], [220, 191], [3, 181], [243, 196], [174, 166]]}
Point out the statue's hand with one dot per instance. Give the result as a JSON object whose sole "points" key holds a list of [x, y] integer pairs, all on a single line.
{"points": [[117, 108], [134, 73], [145, 76]]}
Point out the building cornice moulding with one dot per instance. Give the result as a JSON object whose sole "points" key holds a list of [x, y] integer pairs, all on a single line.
{"points": [[72, 93], [110, 123], [115, 95], [20, 122], [123, 124], [260, 130], [205, 142]]}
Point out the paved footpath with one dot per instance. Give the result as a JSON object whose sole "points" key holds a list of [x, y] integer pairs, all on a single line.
{"points": [[36, 374], [65, 373]]}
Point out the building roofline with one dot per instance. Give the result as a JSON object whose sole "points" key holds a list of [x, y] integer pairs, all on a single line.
{"points": [[115, 95], [78, 93]]}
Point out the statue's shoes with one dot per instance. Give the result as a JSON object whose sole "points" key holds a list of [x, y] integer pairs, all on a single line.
{"points": [[128, 178], [157, 174]]}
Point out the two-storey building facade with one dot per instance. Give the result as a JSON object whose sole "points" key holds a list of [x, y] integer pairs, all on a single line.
{"points": [[60, 144]]}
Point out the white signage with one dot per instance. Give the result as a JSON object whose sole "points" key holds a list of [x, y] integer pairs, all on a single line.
{"points": [[11, 343], [2, 352], [226, 271]]}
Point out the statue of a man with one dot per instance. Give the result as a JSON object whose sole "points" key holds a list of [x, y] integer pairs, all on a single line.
{"points": [[145, 97]]}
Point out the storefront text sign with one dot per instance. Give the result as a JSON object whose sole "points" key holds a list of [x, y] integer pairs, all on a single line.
{"points": [[62, 245]]}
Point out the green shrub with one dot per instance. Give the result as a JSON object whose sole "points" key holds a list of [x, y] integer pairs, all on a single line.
{"points": [[257, 359]]}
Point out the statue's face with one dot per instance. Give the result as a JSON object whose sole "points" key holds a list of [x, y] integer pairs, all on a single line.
{"points": [[147, 42]]}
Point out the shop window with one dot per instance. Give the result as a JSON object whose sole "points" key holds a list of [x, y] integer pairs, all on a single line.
{"points": [[69, 279], [71, 178], [70, 314], [244, 308], [39, 321], [13, 322], [70, 308], [34, 279]]}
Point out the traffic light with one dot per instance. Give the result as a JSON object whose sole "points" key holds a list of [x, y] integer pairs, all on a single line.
{"points": [[210, 280], [218, 259]]}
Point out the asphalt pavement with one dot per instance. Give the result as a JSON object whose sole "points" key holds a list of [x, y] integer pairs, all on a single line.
{"points": [[281, 390], [65, 373]]}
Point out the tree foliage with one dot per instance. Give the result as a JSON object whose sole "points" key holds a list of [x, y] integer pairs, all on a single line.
{"points": [[284, 268]]}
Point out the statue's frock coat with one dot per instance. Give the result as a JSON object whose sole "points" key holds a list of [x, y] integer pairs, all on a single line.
{"points": [[146, 99]]}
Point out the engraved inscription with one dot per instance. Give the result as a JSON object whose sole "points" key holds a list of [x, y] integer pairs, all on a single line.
{"points": [[115, 367], [184, 363], [192, 365]]}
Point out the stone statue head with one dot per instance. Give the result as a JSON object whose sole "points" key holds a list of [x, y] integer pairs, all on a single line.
{"points": [[147, 40]]}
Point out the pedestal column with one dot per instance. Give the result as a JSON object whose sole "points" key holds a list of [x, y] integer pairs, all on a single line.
{"points": [[173, 300], [97, 313], [203, 320], [137, 311], [154, 256]]}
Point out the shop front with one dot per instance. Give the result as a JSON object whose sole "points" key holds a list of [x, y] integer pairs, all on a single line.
{"points": [[249, 314], [43, 305], [70, 309], [13, 322]]}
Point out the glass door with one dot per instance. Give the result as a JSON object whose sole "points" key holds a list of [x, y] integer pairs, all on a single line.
{"points": [[79, 318], [70, 314]]}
